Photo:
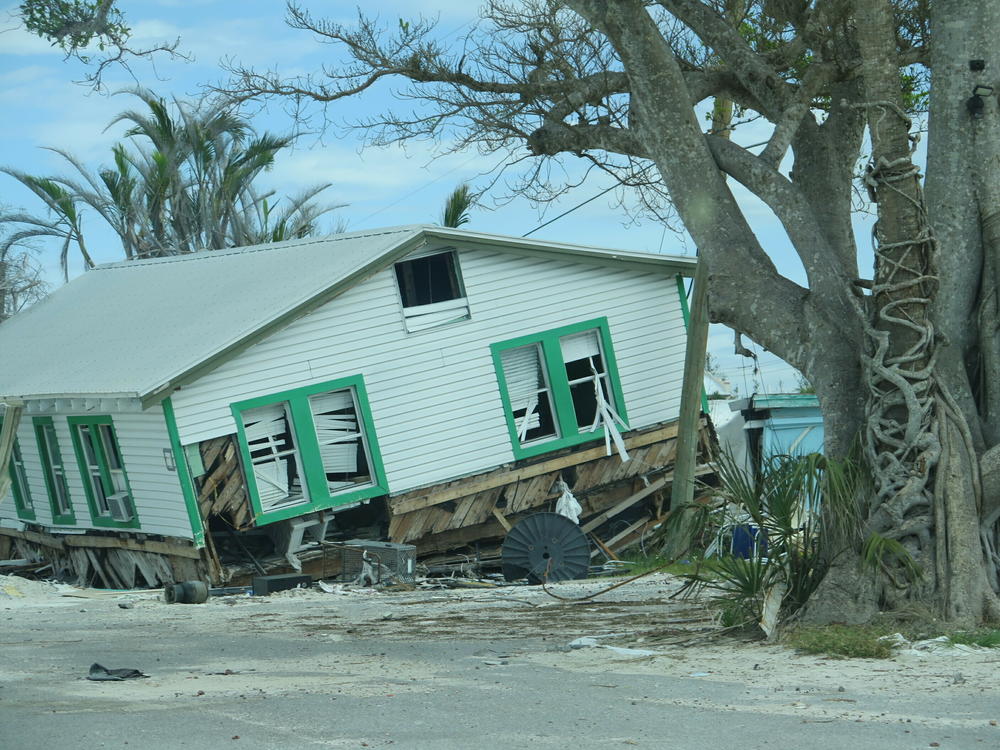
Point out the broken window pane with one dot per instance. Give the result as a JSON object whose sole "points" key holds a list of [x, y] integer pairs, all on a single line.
{"points": [[587, 376], [431, 291], [342, 447], [529, 393], [427, 280], [271, 442], [115, 466]]}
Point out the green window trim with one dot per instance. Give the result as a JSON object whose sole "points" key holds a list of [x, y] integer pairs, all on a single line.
{"points": [[18, 488], [307, 447], [41, 426], [564, 413], [105, 472], [184, 475], [686, 312]]}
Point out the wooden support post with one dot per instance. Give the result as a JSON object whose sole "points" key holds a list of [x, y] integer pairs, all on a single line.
{"points": [[503, 521], [694, 375]]}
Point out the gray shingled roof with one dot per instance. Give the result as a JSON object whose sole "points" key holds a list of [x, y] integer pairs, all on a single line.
{"points": [[136, 328]]}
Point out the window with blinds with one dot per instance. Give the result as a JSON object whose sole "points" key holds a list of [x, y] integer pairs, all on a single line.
{"points": [[340, 434], [587, 377], [529, 393], [309, 449], [102, 469], [274, 458], [561, 388]]}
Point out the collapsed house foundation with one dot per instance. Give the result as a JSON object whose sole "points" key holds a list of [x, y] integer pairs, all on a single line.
{"points": [[456, 525]]}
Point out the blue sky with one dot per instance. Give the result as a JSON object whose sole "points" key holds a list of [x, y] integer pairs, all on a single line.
{"points": [[44, 107]]}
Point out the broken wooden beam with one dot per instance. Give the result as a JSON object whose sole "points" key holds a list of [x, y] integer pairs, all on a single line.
{"points": [[423, 499]]}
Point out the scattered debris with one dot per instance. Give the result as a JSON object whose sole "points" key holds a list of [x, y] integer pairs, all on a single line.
{"points": [[264, 585], [99, 673], [594, 642], [188, 592]]}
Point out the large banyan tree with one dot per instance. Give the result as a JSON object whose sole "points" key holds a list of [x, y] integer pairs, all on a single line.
{"points": [[650, 91]]}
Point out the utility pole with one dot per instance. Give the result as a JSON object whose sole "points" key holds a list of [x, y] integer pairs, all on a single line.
{"points": [[682, 491]]}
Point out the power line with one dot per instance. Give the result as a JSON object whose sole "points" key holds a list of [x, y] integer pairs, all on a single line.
{"points": [[564, 213]]}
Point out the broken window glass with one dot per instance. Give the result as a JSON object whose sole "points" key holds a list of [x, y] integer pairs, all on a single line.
{"points": [[271, 441], [590, 387], [342, 447], [116, 468], [430, 288], [561, 386], [529, 393], [588, 379]]}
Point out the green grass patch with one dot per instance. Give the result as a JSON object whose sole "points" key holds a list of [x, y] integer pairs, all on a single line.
{"points": [[842, 641], [644, 564], [983, 637], [862, 641]]}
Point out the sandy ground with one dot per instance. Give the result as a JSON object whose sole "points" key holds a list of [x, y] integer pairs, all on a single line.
{"points": [[317, 643]]}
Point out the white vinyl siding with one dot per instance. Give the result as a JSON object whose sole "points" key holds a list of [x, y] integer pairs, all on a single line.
{"points": [[434, 399], [142, 437]]}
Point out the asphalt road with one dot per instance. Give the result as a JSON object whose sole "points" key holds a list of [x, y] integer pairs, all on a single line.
{"points": [[304, 673]]}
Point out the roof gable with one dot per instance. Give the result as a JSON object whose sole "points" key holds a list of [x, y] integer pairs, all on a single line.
{"points": [[138, 328]]}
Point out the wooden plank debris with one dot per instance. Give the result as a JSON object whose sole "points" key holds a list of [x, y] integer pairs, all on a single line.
{"points": [[480, 509]]}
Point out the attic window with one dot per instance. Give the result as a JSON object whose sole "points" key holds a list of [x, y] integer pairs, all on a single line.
{"points": [[430, 287]]}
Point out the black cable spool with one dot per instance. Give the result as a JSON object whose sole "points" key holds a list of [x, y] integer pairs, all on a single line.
{"points": [[545, 546]]}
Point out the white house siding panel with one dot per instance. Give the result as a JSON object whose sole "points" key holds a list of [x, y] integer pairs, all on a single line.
{"points": [[434, 397], [142, 437], [159, 501], [33, 471]]}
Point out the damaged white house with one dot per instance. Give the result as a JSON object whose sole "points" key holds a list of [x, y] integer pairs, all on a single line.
{"points": [[441, 380]]}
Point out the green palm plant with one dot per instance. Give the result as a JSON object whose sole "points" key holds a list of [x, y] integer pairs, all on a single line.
{"points": [[184, 180], [804, 510], [456, 208]]}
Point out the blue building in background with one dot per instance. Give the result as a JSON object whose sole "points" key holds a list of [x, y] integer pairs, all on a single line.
{"points": [[766, 425]]}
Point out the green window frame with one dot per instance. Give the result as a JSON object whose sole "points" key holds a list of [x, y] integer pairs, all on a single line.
{"points": [[102, 470], [559, 400], [19, 490], [53, 471], [309, 449]]}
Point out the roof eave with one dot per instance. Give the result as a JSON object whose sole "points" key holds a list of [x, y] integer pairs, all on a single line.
{"points": [[660, 263]]}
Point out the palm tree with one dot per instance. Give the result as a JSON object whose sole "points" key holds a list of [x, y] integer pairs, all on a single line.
{"points": [[456, 208], [183, 181]]}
